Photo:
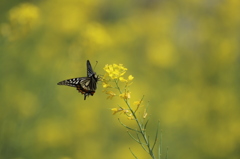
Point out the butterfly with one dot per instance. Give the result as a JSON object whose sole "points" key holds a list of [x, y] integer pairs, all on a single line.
{"points": [[85, 85]]}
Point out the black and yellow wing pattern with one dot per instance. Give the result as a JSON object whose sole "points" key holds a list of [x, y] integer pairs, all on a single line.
{"points": [[85, 85]]}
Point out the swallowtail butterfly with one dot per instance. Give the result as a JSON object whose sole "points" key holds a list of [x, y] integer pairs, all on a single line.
{"points": [[85, 85]]}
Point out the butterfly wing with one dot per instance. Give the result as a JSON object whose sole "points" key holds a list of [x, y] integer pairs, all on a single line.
{"points": [[92, 75], [86, 85], [89, 69], [73, 82], [92, 85], [83, 84]]}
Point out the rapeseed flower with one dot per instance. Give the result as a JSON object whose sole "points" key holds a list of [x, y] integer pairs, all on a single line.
{"points": [[114, 74], [114, 81]]}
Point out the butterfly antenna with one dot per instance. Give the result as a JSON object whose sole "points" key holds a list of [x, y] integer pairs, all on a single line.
{"points": [[95, 65]]}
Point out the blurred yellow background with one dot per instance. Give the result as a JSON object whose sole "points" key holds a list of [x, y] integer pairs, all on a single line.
{"points": [[184, 55]]}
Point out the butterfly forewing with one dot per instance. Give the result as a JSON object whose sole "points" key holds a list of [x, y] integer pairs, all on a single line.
{"points": [[71, 82], [89, 69]]}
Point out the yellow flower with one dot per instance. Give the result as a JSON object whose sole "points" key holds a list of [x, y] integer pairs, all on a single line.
{"points": [[145, 114], [111, 94], [106, 85], [137, 102], [122, 79], [119, 110], [115, 71], [114, 75], [125, 95], [130, 117], [114, 110], [130, 77]]}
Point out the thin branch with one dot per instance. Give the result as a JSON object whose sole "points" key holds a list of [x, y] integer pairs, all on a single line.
{"points": [[138, 141], [142, 144], [116, 82], [128, 127], [149, 143], [156, 137], [145, 126], [133, 153]]}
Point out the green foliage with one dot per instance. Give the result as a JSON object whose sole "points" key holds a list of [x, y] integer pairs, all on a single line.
{"points": [[183, 54]]}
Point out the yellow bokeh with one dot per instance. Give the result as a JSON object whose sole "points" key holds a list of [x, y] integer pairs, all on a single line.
{"points": [[25, 14], [51, 133], [182, 56], [162, 53]]}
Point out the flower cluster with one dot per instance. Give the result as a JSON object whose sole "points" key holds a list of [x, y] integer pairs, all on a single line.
{"points": [[114, 80], [114, 76], [115, 71]]}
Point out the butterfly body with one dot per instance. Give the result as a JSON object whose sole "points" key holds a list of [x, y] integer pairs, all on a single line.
{"points": [[85, 85]]}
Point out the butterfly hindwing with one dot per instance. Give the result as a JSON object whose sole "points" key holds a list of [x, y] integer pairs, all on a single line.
{"points": [[85, 88]]}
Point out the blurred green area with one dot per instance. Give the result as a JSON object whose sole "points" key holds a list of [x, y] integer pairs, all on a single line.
{"points": [[184, 56]]}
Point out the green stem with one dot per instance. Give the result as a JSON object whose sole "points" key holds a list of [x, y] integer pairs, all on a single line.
{"points": [[142, 131]]}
